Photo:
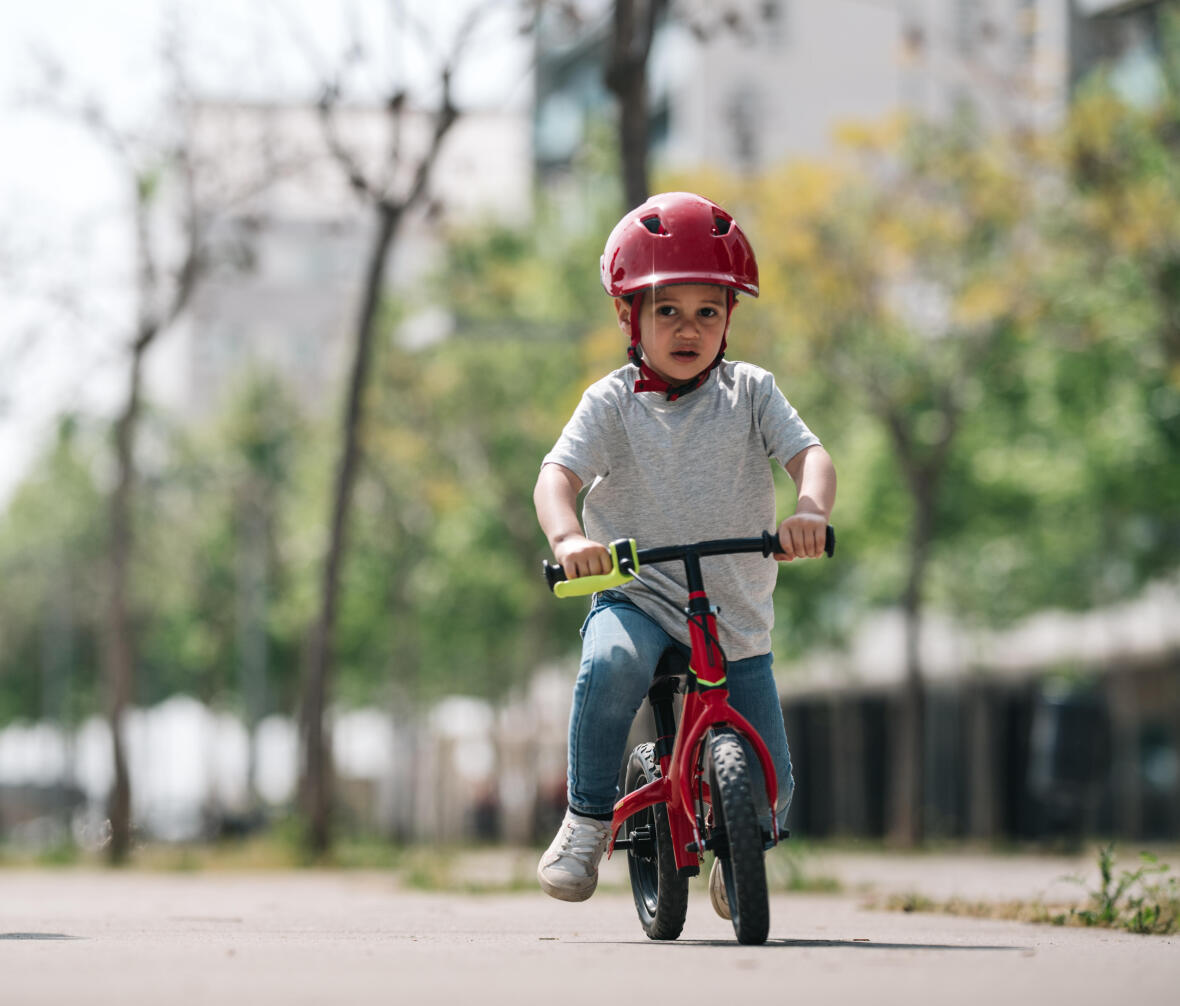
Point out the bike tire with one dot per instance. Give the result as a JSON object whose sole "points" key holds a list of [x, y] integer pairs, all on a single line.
{"points": [[740, 848], [661, 895]]}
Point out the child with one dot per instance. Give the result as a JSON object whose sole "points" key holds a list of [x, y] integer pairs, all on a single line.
{"points": [[675, 447]]}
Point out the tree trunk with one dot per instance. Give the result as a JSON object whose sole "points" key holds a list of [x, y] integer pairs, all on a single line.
{"points": [[318, 787], [908, 824], [923, 467], [119, 645], [626, 77], [252, 572], [908, 795], [119, 649]]}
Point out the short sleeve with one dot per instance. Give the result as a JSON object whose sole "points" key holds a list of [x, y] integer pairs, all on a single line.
{"points": [[583, 446], [783, 431]]}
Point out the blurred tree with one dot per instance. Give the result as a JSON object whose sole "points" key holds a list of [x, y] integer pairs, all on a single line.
{"points": [[174, 193], [443, 591], [634, 24], [633, 29], [1074, 487], [1114, 302], [903, 285], [399, 186]]}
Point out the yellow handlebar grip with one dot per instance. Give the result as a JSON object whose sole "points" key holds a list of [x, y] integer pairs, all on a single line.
{"points": [[602, 581]]}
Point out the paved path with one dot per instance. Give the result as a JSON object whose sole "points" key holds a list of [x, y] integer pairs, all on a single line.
{"points": [[307, 938]]}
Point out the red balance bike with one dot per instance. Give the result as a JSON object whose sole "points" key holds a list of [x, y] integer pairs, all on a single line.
{"points": [[691, 791]]}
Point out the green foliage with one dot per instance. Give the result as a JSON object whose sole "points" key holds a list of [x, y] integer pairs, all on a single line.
{"points": [[538, 280], [441, 586], [51, 559], [211, 499], [1014, 355], [898, 308]]}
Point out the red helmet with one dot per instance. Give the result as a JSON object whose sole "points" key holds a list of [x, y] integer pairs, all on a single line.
{"points": [[678, 237]]}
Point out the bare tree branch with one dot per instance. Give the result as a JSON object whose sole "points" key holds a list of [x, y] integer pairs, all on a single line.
{"points": [[389, 209], [164, 286]]}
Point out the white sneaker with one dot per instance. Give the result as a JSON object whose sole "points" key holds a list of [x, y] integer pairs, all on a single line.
{"points": [[717, 895], [568, 870]]}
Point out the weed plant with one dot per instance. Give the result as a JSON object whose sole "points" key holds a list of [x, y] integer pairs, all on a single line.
{"points": [[1143, 900], [1140, 901]]}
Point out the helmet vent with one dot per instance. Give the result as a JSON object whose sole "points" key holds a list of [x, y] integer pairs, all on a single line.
{"points": [[653, 224], [721, 225]]}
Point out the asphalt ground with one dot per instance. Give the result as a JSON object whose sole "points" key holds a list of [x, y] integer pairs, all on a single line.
{"points": [[135, 937]]}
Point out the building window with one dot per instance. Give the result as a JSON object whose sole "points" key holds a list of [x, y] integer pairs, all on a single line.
{"points": [[744, 122]]}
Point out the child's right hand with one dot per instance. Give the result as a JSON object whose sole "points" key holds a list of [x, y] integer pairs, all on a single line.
{"points": [[579, 556]]}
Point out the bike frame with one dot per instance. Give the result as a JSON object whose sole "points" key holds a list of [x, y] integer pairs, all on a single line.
{"points": [[706, 705]]}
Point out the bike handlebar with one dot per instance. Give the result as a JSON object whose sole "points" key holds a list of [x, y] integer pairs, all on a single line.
{"points": [[626, 560]]}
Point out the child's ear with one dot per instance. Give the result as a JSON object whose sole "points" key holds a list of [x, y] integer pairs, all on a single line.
{"points": [[623, 311]]}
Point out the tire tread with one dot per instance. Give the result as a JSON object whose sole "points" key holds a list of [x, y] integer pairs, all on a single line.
{"points": [[749, 903]]}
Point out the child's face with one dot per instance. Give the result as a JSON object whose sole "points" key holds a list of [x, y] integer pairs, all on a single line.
{"points": [[680, 328]]}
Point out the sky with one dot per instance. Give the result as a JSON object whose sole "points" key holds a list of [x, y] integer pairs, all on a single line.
{"points": [[64, 250]]}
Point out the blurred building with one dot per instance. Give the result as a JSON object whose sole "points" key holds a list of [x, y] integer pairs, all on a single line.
{"points": [[744, 93], [1064, 726], [1123, 37], [744, 86]]}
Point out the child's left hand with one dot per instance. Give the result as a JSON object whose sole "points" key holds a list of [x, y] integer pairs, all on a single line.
{"points": [[802, 536]]}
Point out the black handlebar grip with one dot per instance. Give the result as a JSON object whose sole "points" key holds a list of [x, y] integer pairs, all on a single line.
{"points": [[771, 543], [554, 574]]}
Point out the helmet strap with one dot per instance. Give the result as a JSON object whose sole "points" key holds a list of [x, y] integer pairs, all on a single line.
{"points": [[649, 380]]}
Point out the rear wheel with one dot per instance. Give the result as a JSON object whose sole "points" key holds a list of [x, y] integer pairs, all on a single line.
{"points": [[661, 896], [738, 838]]}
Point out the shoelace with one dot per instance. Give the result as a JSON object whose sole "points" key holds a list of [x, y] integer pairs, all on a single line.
{"points": [[583, 840]]}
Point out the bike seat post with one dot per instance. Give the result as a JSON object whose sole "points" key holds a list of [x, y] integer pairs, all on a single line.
{"points": [[661, 697]]}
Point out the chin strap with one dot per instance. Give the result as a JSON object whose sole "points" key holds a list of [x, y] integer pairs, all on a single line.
{"points": [[649, 380]]}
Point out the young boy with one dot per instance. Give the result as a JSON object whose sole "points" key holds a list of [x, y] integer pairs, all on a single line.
{"points": [[675, 447]]}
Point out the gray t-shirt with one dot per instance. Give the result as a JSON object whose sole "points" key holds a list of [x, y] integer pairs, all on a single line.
{"points": [[668, 473]]}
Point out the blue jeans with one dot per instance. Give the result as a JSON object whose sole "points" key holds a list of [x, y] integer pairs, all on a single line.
{"points": [[620, 649]]}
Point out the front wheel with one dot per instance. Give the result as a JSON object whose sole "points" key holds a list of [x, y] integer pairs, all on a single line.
{"points": [[661, 895], [738, 836]]}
